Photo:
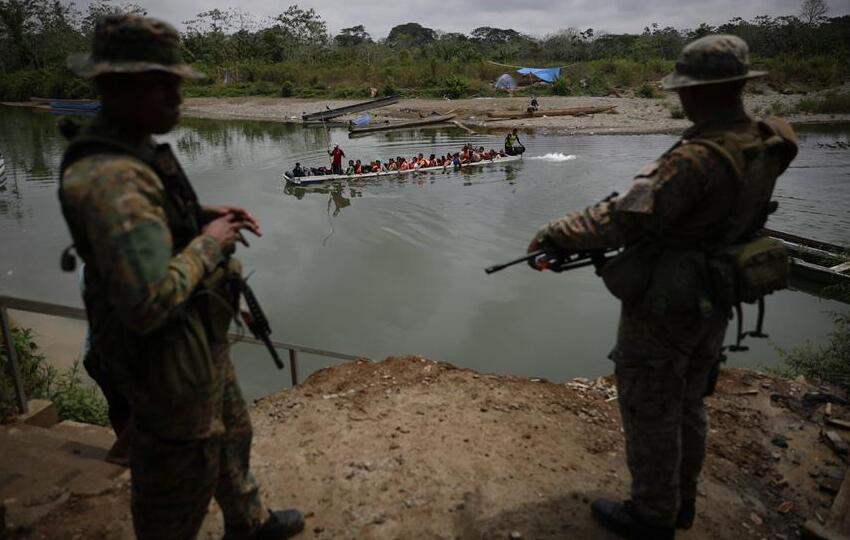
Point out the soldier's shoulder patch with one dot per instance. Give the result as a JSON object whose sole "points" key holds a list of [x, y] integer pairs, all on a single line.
{"points": [[648, 170]]}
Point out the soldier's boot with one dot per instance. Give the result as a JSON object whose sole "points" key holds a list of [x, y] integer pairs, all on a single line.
{"points": [[621, 518], [687, 512], [280, 525]]}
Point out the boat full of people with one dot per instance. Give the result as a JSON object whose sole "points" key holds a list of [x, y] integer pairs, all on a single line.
{"points": [[469, 156]]}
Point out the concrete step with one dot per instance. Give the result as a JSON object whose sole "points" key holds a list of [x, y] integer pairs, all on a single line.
{"points": [[42, 467]]}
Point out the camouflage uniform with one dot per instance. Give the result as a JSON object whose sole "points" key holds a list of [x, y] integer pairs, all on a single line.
{"points": [[689, 199], [159, 302]]}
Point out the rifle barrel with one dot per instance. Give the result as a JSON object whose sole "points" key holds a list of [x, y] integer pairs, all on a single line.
{"points": [[526, 258]]}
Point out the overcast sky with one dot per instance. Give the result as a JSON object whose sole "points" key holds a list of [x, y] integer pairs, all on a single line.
{"points": [[536, 17]]}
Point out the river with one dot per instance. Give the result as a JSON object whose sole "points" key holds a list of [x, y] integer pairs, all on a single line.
{"points": [[396, 266]]}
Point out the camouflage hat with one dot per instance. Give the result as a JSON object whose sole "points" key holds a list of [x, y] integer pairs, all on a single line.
{"points": [[711, 60], [132, 44]]}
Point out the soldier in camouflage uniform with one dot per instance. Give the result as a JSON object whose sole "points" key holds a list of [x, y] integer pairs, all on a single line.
{"points": [[710, 191], [160, 292]]}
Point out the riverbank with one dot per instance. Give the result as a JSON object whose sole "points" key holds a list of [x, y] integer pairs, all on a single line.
{"points": [[412, 448], [632, 114]]}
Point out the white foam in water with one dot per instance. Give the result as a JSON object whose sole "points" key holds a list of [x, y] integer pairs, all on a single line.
{"points": [[556, 157]]}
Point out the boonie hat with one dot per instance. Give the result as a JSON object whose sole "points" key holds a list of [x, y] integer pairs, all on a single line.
{"points": [[712, 59], [132, 44]]}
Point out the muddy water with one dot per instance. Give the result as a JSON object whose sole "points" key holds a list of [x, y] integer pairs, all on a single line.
{"points": [[396, 266]]}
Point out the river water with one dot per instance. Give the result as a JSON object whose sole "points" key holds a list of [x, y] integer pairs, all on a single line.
{"points": [[396, 266]]}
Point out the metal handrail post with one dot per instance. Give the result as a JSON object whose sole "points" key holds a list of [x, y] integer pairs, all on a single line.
{"points": [[12, 356], [293, 366]]}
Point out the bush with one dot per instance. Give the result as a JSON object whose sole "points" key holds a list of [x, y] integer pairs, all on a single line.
{"points": [[287, 89], [389, 89], [827, 363], [454, 87], [74, 398], [648, 90], [831, 103], [676, 112], [560, 87]]}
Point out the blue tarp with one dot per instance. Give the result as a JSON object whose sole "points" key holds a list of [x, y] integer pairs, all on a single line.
{"points": [[544, 74], [362, 120]]}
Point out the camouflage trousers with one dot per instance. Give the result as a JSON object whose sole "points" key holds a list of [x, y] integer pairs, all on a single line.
{"points": [[662, 370], [173, 482]]}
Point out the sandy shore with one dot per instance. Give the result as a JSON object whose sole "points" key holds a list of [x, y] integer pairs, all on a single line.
{"points": [[632, 114]]}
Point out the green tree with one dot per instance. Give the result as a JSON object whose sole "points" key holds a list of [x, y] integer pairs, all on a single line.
{"points": [[353, 36], [410, 35]]}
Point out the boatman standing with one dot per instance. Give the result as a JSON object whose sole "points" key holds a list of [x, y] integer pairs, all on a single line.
{"points": [[513, 146], [689, 221], [336, 159], [160, 286]]}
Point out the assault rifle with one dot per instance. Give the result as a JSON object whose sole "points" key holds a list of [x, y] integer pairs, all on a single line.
{"points": [[559, 261], [257, 321]]}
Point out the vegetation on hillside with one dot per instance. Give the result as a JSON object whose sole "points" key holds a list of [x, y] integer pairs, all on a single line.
{"points": [[74, 398], [293, 53]]}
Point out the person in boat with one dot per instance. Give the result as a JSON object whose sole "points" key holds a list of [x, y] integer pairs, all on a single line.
{"points": [[336, 159], [377, 167], [403, 164], [298, 171], [358, 167], [432, 161], [513, 146], [391, 165], [350, 170], [421, 161], [456, 161]]}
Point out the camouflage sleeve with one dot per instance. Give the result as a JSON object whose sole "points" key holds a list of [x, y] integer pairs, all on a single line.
{"points": [[662, 193], [127, 229]]}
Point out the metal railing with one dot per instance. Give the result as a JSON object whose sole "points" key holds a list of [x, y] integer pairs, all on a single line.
{"points": [[69, 312]]}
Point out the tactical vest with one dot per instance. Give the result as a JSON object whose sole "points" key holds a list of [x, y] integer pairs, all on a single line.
{"points": [[182, 209], [174, 374], [704, 265]]}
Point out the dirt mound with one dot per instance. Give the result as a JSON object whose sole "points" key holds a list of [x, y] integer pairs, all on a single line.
{"points": [[412, 448]]}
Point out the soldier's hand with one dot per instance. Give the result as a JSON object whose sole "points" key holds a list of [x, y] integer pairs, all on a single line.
{"points": [[532, 247], [242, 215], [225, 231]]}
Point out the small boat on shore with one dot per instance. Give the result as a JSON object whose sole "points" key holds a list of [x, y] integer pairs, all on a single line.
{"points": [[426, 121], [349, 109], [817, 266], [539, 113], [327, 178]]}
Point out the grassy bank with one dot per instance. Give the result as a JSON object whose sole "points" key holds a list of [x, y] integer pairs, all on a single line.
{"points": [[428, 77], [74, 398]]}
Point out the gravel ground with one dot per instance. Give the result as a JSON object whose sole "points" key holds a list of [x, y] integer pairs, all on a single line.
{"points": [[411, 448]]}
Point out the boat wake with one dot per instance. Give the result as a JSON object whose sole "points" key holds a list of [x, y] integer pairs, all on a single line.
{"points": [[556, 157]]}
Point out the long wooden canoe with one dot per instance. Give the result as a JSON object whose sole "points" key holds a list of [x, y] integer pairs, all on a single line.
{"points": [[572, 111], [428, 120], [349, 109], [328, 178]]}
